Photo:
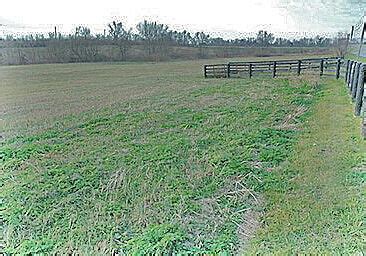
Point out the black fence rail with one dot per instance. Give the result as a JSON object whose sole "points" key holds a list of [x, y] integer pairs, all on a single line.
{"points": [[322, 66]]}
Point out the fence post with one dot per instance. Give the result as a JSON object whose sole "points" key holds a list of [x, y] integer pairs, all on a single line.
{"points": [[347, 70], [360, 90], [338, 71], [350, 73], [274, 69], [353, 71], [355, 81], [250, 70], [205, 71], [321, 67], [299, 67], [228, 70]]}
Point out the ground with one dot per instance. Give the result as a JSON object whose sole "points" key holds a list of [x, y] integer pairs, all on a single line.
{"points": [[143, 158], [322, 209]]}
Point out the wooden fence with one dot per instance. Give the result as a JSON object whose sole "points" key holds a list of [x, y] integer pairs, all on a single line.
{"points": [[322, 66], [355, 77], [353, 72]]}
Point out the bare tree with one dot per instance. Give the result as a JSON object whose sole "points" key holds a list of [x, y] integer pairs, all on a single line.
{"points": [[201, 40], [121, 37], [155, 37], [341, 44], [82, 45]]}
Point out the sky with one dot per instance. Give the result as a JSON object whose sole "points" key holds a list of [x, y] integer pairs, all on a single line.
{"points": [[228, 19]]}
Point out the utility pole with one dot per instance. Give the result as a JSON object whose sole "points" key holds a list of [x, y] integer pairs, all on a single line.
{"points": [[55, 33], [352, 32], [347, 43], [362, 37]]}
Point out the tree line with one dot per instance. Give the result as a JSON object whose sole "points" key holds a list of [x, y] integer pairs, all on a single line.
{"points": [[156, 39], [152, 31]]}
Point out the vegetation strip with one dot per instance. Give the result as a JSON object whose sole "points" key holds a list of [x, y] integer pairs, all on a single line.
{"points": [[322, 210]]}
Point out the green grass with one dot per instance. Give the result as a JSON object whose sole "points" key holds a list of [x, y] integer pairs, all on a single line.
{"points": [[322, 208], [154, 159], [171, 164], [356, 57]]}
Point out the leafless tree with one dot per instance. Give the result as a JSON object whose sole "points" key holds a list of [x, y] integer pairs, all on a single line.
{"points": [[155, 37], [121, 37], [82, 45], [341, 44]]}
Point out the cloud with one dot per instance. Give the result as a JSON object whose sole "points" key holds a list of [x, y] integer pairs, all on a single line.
{"points": [[212, 16], [4, 21], [324, 15]]}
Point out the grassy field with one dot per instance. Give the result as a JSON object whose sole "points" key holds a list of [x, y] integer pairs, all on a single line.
{"points": [[322, 210], [146, 158], [356, 58]]}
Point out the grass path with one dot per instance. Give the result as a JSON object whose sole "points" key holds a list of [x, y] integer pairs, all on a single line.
{"points": [[323, 209]]}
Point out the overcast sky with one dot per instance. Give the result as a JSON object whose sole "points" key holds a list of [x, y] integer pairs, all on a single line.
{"points": [[221, 18]]}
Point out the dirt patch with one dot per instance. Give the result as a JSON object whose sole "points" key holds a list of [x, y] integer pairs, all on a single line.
{"points": [[213, 214], [288, 123], [251, 222]]}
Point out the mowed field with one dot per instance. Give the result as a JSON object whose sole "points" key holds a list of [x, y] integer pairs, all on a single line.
{"points": [[143, 158]]}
